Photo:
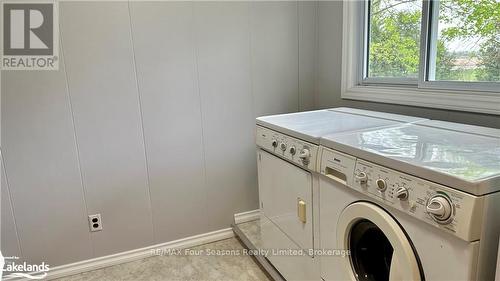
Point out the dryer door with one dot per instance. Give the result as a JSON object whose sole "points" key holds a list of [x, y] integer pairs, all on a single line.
{"points": [[379, 248], [285, 193]]}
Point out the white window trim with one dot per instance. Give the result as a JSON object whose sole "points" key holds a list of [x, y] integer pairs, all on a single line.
{"points": [[351, 88]]}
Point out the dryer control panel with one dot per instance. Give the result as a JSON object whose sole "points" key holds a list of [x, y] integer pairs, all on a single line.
{"points": [[292, 149], [453, 211]]}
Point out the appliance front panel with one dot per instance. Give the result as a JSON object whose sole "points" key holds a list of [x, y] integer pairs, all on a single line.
{"points": [[409, 194], [442, 256], [285, 193]]}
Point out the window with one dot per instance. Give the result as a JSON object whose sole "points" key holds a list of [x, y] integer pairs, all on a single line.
{"points": [[394, 39], [443, 54], [465, 41]]}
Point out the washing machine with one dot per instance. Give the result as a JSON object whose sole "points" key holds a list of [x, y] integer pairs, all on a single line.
{"points": [[410, 202], [287, 149]]}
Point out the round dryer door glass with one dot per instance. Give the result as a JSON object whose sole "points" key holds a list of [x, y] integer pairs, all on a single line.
{"points": [[379, 248], [371, 251]]}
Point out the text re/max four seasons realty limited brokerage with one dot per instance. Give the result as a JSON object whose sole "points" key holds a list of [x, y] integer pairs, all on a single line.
{"points": [[249, 252]]}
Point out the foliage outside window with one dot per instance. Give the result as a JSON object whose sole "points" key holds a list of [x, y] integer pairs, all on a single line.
{"points": [[394, 38], [463, 41]]}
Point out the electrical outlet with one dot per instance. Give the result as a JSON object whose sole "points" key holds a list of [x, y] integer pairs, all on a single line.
{"points": [[95, 222]]}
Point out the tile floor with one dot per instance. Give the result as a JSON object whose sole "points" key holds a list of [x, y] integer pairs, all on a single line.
{"points": [[251, 230], [184, 267]]}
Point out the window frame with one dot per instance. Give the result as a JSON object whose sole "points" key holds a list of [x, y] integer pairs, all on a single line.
{"points": [[481, 97]]}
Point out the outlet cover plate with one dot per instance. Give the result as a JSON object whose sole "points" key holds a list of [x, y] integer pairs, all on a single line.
{"points": [[95, 222]]}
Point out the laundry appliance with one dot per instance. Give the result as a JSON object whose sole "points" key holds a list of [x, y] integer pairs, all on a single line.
{"points": [[288, 185], [411, 202]]}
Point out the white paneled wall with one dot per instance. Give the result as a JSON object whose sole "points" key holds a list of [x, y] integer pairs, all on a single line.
{"points": [[9, 242], [149, 122], [308, 45], [41, 165], [165, 56], [275, 52], [106, 110], [224, 71]]}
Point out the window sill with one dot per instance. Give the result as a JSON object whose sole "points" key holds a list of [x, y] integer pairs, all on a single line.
{"points": [[481, 102]]}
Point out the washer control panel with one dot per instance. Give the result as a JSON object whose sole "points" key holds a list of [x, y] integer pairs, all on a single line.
{"points": [[453, 211], [292, 149]]}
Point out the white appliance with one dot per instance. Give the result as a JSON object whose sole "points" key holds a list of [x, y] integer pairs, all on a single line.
{"points": [[411, 202], [288, 187]]}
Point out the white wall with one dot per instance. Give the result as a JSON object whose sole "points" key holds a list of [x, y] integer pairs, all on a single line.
{"points": [[149, 122], [329, 61]]}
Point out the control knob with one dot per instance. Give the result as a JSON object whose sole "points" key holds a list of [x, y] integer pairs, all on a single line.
{"points": [[274, 143], [381, 185], [362, 177], [304, 156], [440, 208], [402, 193], [283, 146]]}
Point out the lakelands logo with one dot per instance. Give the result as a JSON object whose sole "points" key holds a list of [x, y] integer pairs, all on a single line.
{"points": [[30, 36], [13, 269]]}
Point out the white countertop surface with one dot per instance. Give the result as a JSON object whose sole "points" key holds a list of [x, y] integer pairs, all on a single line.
{"points": [[468, 161], [312, 125]]}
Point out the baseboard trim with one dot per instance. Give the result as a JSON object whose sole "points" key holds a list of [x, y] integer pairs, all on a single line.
{"points": [[246, 216], [137, 254]]}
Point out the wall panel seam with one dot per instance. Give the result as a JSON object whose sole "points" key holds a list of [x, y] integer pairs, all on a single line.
{"points": [[299, 95], [316, 57], [75, 134], [196, 82], [250, 57], [142, 122], [9, 195]]}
